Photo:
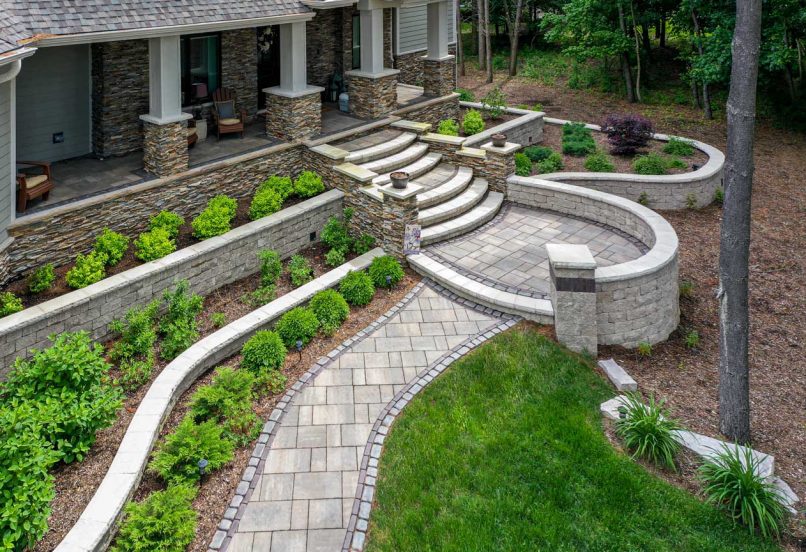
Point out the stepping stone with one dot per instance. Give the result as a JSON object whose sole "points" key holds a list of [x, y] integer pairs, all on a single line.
{"points": [[620, 378]]}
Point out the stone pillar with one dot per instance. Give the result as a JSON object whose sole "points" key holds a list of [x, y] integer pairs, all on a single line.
{"points": [[165, 135], [399, 209], [573, 296], [293, 109], [439, 67], [499, 165]]}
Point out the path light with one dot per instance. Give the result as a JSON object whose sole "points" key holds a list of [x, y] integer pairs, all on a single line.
{"points": [[202, 466], [622, 412], [389, 283], [299, 348]]}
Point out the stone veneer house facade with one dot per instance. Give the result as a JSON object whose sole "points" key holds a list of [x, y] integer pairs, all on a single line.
{"points": [[109, 79]]}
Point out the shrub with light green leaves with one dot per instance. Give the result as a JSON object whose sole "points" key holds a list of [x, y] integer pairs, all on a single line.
{"points": [[113, 245], [599, 162], [178, 326], [552, 163], [42, 279], [648, 431], [300, 270], [308, 184], [282, 185], [216, 217], [678, 146], [270, 267], [263, 352], [363, 243], [137, 332], [335, 257], [266, 202], [382, 267], [537, 153], [176, 458], [153, 245], [465, 95], [357, 288], [228, 401], [164, 522], [335, 234], [448, 127], [651, 163], [298, 324], [87, 270], [472, 123], [134, 372], [9, 304], [330, 309], [523, 165], [169, 221]]}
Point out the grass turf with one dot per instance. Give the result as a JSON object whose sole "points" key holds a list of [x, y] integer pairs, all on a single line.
{"points": [[506, 452]]}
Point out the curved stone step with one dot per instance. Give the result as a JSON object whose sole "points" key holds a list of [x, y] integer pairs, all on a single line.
{"points": [[456, 206], [448, 189], [382, 150], [401, 158], [415, 170], [531, 308], [478, 215]]}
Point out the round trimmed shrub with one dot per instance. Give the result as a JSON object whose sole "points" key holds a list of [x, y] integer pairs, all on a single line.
{"points": [[357, 288], [298, 324], [523, 165], [282, 185], [168, 221], [9, 304], [448, 127], [153, 245], [113, 245], [87, 270], [473, 123], [330, 309], [266, 202], [308, 184], [263, 352], [651, 163], [381, 267]]}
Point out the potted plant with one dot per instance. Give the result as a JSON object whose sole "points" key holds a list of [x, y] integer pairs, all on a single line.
{"points": [[499, 140], [399, 179]]}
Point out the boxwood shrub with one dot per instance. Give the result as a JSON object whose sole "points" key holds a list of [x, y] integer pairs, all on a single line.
{"points": [[176, 458], [112, 245], [298, 324], [384, 266], [169, 221], [42, 279], [523, 165], [552, 163], [330, 309], [357, 288], [263, 352], [216, 217], [9, 304], [308, 184], [153, 245], [165, 521], [282, 185], [448, 127], [472, 123], [87, 270], [266, 202]]}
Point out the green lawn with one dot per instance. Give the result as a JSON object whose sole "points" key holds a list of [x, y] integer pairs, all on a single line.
{"points": [[506, 452]]}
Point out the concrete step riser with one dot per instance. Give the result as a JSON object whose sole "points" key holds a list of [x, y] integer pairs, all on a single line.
{"points": [[455, 207], [446, 191], [382, 150], [480, 214], [403, 158]]}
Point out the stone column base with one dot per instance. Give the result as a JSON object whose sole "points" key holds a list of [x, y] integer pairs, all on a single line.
{"points": [[165, 148], [293, 115], [439, 76], [372, 95], [5, 261], [573, 296], [399, 209]]}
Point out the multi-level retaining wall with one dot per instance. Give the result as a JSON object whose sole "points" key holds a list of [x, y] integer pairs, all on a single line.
{"points": [[96, 526], [671, 191], [635, 301], [207, 266], [526, 129]]}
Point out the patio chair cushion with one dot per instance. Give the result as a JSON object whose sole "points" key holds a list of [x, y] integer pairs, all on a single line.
{"points": [[229, 121], [226, 110], [34, 181]]}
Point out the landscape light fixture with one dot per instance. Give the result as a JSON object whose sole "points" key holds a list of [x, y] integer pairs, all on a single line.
{"points": [[202, 466], [299, 348]]}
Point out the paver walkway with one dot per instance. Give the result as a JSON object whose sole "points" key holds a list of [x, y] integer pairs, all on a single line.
{"points": [[509, 252], [324, 443]]}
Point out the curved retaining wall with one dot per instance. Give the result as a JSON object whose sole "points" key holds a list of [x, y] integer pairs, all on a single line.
{"points": [[96, 527], [207, 265], [526, 130], [637, 300], [663, 191]]}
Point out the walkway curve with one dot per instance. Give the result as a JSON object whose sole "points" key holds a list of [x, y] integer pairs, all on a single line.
{"points": [[310, 481]]}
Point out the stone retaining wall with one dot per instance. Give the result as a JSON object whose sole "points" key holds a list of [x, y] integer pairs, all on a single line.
{"points": [[207, 265], [670, 191], [96, 526], [432, 110], [57, 235], [635, 301], [526, 130]]}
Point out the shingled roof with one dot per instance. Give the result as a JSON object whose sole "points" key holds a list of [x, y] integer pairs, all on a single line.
{"points": [[12, 31], [61, 17]]}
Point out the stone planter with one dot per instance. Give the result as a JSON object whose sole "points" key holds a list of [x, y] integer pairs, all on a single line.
{"points": [[399, 179], [499, 140]]}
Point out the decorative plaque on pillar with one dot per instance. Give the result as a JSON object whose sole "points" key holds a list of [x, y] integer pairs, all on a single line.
{"points": [[411, 239]]}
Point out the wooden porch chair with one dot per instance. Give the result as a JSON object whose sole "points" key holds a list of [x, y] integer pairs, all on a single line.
{"points": [[30, 186], [228, 119]]}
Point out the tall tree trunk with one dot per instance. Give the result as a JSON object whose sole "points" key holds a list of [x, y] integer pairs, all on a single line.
{"points": [[637, 55], [734, 245], [706, 96], [645, 37], [624, 60], [514, 35], [488, 49], [460, 51], [482, 42], [662, 40]]}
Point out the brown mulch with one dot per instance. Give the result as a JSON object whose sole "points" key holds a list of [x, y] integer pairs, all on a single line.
{"points": [[184, 239], [553, 137], [687, 379], [76, 483]]}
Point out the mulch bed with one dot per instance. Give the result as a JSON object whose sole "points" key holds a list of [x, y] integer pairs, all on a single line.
{"points": [[553, 134], [687, 379], [76, 483], [185, 239]]}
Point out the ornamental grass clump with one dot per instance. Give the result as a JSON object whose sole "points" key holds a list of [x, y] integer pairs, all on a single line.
{"points": [[330, 309], [648, 431], [627, 133], [165, 521], [112, 245], [472, 123], [153, 245], [176, 459], [385, 271], [9, 304], [216, 218], [298, 324], [732, 481], [42, 279], [357, 288], [448, 127], [169, 221], [263, 352], [308, 184], [87, 270]]}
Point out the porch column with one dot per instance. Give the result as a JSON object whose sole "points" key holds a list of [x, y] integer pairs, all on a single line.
{"points": [[439, 67], [293, 109], [373, 88], [8, 164], [165, 150]]}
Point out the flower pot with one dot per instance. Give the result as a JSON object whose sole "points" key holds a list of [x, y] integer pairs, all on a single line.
{"points": [[499, 140], [399, 179]]}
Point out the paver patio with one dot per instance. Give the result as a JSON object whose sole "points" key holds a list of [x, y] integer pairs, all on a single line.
{"points": [[509, 252], [305, 493]]}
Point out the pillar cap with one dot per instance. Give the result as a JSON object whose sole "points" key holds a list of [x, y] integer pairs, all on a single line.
{"points": [[570, 256], [160, 121], [443, 58], [410, 190], [307, 91], [367, 75]]}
